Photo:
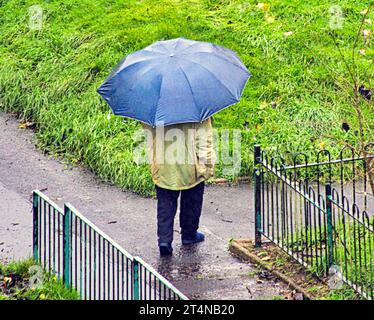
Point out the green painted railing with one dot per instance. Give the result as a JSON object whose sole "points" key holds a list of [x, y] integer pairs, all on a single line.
{"points": [[307, 209], [85, 258]]}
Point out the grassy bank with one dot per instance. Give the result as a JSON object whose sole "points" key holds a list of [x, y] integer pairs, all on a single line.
{"points": [[50, 76], [16, 284], [281, 265]]}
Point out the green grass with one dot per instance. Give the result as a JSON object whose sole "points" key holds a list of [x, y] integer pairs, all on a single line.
{"points": [[353, 253], [50, 76], [346, 293], [15, 279]]}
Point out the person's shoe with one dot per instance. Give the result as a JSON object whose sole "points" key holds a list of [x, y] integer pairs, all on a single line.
{"points": [[165, 249], [197, 237]]}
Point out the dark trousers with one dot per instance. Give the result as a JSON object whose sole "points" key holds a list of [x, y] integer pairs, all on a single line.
{"points": [[190, 211]]}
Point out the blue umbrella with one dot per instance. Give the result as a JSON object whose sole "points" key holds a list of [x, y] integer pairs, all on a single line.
{"points": [[175, 81]]}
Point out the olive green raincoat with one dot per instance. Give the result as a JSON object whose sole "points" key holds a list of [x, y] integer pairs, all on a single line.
{"points": [[181, 155]]}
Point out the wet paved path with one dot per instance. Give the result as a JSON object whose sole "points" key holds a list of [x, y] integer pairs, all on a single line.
{"points": [[206, 271]]}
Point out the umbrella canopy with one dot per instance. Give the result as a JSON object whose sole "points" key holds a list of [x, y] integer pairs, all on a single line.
{"points": [[175, 81]]}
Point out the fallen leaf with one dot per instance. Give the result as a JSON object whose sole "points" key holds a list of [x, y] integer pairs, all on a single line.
{"points": [[263, 105], [366, 33], [288, 34], [322, 145], [7, 281], [269, 19], [263, 6]]}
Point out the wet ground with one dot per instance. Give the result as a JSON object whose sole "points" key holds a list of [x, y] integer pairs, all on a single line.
{"points": [[205, 271]]}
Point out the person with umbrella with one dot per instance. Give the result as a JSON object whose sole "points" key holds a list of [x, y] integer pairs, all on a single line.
{"points": [[174, 87]]}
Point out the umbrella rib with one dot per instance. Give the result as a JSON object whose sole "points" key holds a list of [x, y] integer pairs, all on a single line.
{"points": [[154, 51], [219, 57], [191, 45], [158, 100], [189, 84], [176, 44], [228, 52], [140, 78], [123, 68], [156, 55], [215, 77], [162, 45], [222, 58]]}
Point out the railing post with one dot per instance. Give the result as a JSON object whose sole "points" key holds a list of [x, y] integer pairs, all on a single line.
{"points": [[35, 226], [67, 247], [257, 193], [330, 241], [136, 284]]}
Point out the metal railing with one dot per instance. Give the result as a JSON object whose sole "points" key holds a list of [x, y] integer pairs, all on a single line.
{"points": [[153, 286], [353, 244], [85, 258], [305, 211]]}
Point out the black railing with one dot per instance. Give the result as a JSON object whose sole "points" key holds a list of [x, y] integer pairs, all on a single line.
{"points": [[304, 208], [353, 244]]}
